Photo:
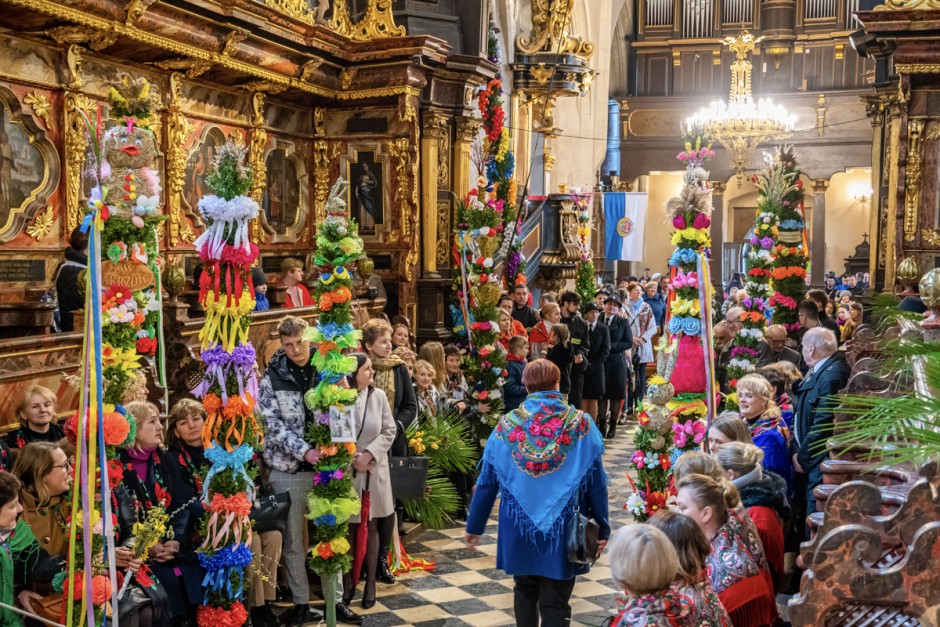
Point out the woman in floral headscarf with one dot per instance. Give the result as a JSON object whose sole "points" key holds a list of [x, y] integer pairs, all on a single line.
{"points": [[544, 461]]}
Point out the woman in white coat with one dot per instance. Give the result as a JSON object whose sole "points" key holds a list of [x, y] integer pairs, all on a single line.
{"points": [[643, 325], [375, 429]]}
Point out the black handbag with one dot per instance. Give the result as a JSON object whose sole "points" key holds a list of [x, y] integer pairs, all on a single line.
{"points": [[269, 511], [409, 475], [582, 538]]}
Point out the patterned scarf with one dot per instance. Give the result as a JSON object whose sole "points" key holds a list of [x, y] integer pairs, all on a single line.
{"points": [[385, 375]]}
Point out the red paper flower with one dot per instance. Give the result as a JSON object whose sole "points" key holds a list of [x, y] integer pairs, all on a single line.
{"points": [[100, 589], [146, 346], [116, 295], [324, 550]]}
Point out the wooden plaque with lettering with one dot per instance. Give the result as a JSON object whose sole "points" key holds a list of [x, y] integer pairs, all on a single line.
{"points": [[134, 275]]}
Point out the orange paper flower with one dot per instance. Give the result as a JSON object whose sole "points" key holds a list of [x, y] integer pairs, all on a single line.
{"points": [[324, 550], [237, 504], [326, 346], [211, 403], [350, 447]]}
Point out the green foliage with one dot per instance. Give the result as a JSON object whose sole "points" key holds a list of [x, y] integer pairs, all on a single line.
{"points": [[118, 230], [230, 175], [585, 281], [440, 502], [445, 440]]}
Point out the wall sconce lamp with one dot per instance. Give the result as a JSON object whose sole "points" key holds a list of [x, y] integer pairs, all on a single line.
{"points": [[861, 192]]}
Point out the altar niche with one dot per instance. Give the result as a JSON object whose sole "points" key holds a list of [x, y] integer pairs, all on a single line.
{"points": [[367, 190]]}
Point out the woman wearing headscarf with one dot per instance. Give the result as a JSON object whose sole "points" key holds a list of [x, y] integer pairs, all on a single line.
{"points": [[544, 460]]}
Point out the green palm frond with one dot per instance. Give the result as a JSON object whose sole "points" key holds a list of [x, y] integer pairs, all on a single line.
{"points": [[439, 503], [902, 429], [885, 312], [446, 440]]}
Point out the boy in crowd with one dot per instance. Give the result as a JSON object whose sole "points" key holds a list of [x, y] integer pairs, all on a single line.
{"points": [[292, 275], [514, 391]]}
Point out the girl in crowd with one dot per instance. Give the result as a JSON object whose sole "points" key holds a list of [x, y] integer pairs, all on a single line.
{"points": [[763, 494], [768, 430], [643, 328], [391, 376], [644, 564], [505, 329], [535, 506], [401, 337], [540, 334], [728, 427], [430, 401], [36, 412], [433, 353], [693, 549], [408, 356], [22, 560], [457, 393], [736, 567], [151, 479], [560, 354], [376, 432]]}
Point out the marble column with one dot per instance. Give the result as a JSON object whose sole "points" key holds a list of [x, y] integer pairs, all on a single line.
{"points": [[717, 233], [817, 245]]}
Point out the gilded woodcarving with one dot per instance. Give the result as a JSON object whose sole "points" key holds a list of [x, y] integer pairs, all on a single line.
{"points": [[550, 21], [178, 130], [40, 106], [259, 141], [42, 224], [913, 175], [297, 9], [75, 146], [891, 5], [321, 178], [443, 233], [377, 22]]}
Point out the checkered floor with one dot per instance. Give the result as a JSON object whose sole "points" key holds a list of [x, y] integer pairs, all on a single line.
{"points": [[467, 589]]}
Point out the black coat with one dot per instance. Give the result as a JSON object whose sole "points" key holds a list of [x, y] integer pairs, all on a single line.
{"points": [[580, 345], [767, 356], [66, 286], [404, 407], [815, 405], [615, 367], [828, 323], [768, 491], [526, 315], [594, 377], [561, 357]]}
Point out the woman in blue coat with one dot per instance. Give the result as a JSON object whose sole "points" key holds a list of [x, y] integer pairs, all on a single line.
{"points": [[544, 460], [768, 430]]}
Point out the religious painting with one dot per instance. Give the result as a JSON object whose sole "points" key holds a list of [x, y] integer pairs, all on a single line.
{"points": [[197, 168], [284, 200], [28, 165], [366, 192]]}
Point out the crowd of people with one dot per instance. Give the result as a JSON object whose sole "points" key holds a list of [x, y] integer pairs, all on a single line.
{"points": [[575, 371]]}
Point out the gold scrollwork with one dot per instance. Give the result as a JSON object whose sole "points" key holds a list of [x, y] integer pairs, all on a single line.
{"points": [[377, 22], [42, 224], [75, 146], [94, 38], [541, 73], [321, 178], [347, 76], [912, 179], [193, 68], [443, 233], [40, 106], [891, 5], [73, 58], [259, 141], [136, 10], [443, 156], [550, 22], [549, 161], [297, 9], [408, 112], [178, 130], [308, 69], [917, 68]]}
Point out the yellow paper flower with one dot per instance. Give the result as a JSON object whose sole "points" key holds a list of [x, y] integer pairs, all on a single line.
{"points": [[339, 546], [696, 235], [685, 307]]}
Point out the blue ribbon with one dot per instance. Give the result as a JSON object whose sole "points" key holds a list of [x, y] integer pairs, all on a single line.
{"points": [[221, 460]]}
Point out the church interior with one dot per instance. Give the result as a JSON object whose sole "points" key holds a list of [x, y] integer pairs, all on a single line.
{"points": [[382, 113]]}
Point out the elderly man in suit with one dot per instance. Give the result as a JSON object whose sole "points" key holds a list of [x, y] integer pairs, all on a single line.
{"points": [[773, 347], [828, 374]]}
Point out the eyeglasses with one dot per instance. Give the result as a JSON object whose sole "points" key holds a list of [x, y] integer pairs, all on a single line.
{"points": [[64, 466]]}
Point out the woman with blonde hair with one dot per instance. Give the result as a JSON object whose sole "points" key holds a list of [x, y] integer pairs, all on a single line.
{"points": [[430, 400], [540, 334], [765, 423], [36, 415], [644, 564], [737, 567], [692, 549], [763, 494], [433, 353], [408, 356]]}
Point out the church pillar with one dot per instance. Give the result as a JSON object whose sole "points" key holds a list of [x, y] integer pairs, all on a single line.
{"points": [[717, 233], [817, 243], [435, 128], [876, 118], [467, 131]]}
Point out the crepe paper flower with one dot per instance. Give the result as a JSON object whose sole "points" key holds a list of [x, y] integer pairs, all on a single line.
{"points": [[116, 428], [217, 616], [701, 221], [324, 550], [117, 294], [146, 346]]}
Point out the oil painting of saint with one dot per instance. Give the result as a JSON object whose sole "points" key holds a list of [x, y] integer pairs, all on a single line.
{"points": [[366, 193]]}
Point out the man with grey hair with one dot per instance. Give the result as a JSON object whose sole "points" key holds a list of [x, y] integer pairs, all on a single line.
{"points": [[828, 374], [773, 347], [733, 317]]}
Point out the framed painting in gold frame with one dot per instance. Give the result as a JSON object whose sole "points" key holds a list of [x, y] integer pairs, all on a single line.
{"points": [[367, 168]]}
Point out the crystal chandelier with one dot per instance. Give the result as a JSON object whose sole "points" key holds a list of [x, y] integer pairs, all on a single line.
{"points": [[741, 124]]}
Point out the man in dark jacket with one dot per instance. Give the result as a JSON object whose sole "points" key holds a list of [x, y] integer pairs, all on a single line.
{"points": [[520, 307], [615, 368], [289, 375], [594, 378], [514, 391], [828, 374], [66, 282], [773, 347], [580, 343]]}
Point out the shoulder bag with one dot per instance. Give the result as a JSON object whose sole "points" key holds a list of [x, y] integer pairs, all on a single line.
{"points": [[582, 538], [269, 510], [408, 474]]}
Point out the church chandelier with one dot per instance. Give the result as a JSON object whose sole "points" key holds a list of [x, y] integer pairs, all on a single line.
{"points": [[741, 124]]}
